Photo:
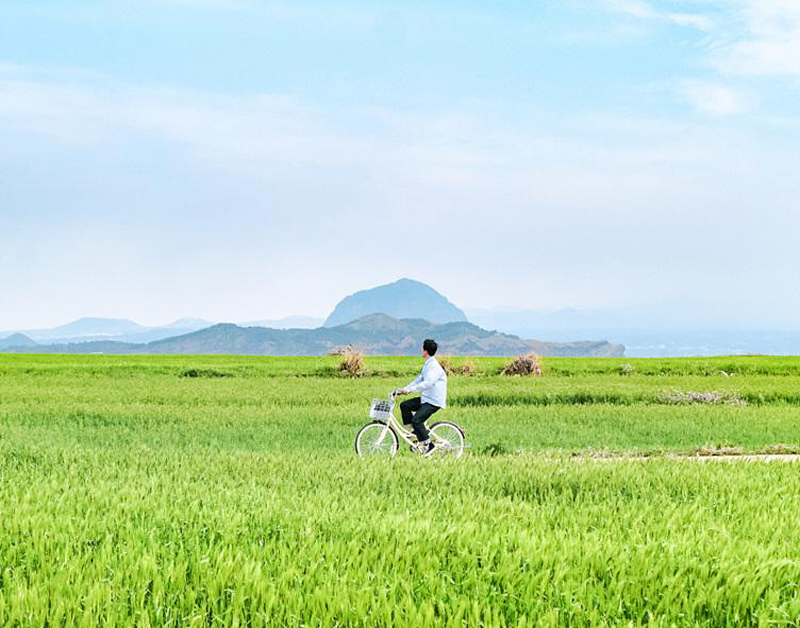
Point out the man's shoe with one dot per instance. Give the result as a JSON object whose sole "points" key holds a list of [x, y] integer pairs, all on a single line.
{"points": [[428, 448]]}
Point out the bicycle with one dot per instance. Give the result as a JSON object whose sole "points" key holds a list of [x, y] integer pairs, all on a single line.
{"points": [[381, 437]]}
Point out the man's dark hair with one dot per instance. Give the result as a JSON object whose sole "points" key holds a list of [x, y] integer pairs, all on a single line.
{"points": [[430, 346]]}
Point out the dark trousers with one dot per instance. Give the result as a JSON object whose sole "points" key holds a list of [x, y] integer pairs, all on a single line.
{"points": [[416, 413]]}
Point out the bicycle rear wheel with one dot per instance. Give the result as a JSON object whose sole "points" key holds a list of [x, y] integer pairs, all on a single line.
{"points": [[448, 438], [377, 440]]}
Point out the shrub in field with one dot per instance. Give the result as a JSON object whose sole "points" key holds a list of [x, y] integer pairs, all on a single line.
{"points": [[715, 397], [205, 373], [352, 364], [466, 368], [627, 369], [528, 364], [494, 449]]}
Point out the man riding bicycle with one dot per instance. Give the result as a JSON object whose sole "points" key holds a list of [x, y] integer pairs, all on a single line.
{"points": [[432, 383]]}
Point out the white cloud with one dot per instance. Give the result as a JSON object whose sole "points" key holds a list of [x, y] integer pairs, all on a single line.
{"points": [[646, 11], [714, 98], [212, 127], [743, 39], [769, 44], [746, 37]]}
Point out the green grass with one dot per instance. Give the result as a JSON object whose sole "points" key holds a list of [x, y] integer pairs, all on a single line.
{"points": [[222, 491], [303, 404]]}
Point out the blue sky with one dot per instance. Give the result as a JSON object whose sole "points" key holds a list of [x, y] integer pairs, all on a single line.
{"points": [[238, 160]]}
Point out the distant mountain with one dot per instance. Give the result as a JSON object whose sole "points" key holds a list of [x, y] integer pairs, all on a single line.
{"points": [[289, 322], [151, 334], [16, 340], [189, 323], [402, 299], [375, 334], [91, 326], [118, 329]]}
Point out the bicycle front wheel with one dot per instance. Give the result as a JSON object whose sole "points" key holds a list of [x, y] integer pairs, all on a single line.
{"points": [[377, 440], [448, 438]]}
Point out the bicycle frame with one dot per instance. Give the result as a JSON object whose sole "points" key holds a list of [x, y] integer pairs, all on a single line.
{"points": [[401, 430]]}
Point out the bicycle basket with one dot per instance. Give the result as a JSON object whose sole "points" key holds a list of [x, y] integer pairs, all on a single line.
{"points": [[381, 409]]}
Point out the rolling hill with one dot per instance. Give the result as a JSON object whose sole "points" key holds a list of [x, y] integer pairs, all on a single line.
{"points": [[375, 334], [16, 340], [117, 329]]}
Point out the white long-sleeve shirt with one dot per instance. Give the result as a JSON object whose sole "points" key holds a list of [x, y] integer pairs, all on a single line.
{"points": [[432, 383]]}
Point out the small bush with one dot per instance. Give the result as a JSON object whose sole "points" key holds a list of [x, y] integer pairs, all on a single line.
{"points": [[204, 373], [352, 364], [528, 364], [494, 449], [466, 368]]}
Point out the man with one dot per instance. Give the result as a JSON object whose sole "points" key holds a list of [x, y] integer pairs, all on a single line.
{"points": [[432, 383]]}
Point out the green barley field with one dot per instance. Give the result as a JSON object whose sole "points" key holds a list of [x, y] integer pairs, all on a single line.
{"points": [[224, 491]]}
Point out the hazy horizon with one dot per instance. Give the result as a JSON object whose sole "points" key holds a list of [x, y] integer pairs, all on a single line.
{"points": [[238, 160], [664, 316]]}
